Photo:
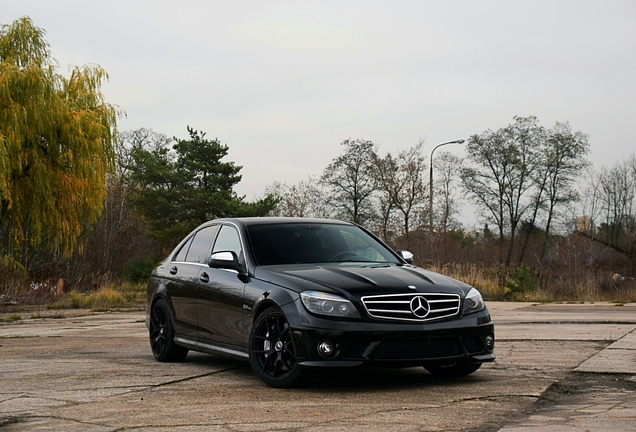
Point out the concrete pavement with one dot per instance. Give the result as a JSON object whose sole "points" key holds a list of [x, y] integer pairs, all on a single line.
{"points": [[600, 394], [568, 367]]}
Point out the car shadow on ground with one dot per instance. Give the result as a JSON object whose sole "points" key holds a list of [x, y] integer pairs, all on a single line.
{"points": [[351, 379], [356, 379]]}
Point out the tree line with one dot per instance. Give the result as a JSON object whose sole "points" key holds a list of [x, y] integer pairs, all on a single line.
{"points": [[533, 189], [84, 202]]}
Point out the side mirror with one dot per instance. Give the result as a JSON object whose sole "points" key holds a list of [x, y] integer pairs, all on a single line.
{"points": [[406, 256], [225, 260]]}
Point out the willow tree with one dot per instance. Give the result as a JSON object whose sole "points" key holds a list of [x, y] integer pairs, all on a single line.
{"points": [[56, 144]]}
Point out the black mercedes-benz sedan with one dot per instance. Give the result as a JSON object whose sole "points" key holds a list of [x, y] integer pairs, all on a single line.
{"points": [[293, 294]]}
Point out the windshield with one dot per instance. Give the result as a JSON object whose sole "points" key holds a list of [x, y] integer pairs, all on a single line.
{"points": [[302, 243]]}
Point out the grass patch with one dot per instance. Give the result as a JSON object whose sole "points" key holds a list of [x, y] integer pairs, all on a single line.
{"points": [[126, 295], [11, 318], [103, 299], [106, 299], [133, 292]]}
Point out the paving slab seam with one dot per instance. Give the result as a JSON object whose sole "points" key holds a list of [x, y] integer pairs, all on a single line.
{"points": [[67, 419], [153, 386], [491, 398]]}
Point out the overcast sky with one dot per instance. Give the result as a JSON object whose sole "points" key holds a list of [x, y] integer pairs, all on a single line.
{"points": [[283, 83]]}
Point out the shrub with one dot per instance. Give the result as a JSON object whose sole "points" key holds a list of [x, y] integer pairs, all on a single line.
{"points": [[78, 299], [106, 298], [138, 270], [522, 281]]}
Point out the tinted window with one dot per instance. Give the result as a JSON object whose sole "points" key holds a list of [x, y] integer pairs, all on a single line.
{"points": [[181, 255], [199, 251], [312, 243], [228, 240]]}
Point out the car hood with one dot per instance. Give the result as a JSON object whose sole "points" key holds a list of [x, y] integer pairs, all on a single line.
{"points": [[358, 281]]}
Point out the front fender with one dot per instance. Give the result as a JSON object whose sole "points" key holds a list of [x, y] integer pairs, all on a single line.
{"points": [[259, 296]]}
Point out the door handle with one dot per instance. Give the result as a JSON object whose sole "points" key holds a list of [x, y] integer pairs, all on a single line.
{"points": [[205, 278], [174, 270]]}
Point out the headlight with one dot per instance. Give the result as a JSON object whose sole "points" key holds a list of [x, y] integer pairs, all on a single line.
{"points": [[473, 302], [328, 304]]}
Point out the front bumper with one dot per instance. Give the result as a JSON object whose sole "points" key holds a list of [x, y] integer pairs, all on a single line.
{"points": [[463, 339]]}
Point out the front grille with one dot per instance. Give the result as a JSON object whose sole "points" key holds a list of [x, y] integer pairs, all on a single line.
{"points": [[419, 349], [416, 307]]}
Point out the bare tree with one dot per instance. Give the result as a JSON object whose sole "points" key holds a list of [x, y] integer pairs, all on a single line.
{"points": [[412, 191], [447, 190], [561, 161], [401, 187], [616, 200], [386, 169], [564, 160], [350, 182], [304, 199], [498, 175]]}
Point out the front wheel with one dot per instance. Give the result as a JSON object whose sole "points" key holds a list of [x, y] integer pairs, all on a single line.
{"points": [[272, 351], [162, 335], [453, 370]]}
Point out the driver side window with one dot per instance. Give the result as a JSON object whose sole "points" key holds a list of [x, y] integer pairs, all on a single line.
{"points": [[228, 240]]}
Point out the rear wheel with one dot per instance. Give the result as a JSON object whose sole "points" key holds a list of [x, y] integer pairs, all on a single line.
{"points": [[272, 351], [162, 335], [453, 370]]}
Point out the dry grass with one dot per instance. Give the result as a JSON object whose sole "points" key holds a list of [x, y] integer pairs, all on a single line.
{"points": [[586, 285], [126, 295], [485, 279]]}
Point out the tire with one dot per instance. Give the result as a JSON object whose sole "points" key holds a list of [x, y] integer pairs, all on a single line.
{"points": [[161, 334], [453, 370], [272, 351]]}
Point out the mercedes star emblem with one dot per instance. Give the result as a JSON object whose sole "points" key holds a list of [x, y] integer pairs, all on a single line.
{"points": [[419, 307]]}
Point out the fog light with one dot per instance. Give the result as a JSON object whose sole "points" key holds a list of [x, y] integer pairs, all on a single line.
{"points": [[325, 348], [490, 342]]}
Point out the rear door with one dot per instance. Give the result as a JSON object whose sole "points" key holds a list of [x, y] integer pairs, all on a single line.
{"points": [[183, 273]]}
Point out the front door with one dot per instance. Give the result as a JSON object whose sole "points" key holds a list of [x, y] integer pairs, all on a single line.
{"points": [[220, 295]]}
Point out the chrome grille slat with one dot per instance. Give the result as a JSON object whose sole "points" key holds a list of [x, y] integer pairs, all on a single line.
{"points": [[390, 311], [398, 306], [446, 310], [391, 302]]}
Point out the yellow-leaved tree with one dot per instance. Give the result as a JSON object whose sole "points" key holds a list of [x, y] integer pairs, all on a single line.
{"points": [[56, 144]]}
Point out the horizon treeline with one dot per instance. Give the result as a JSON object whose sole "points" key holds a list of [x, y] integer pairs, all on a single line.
{"points": [[86, 204], [550, 222]]}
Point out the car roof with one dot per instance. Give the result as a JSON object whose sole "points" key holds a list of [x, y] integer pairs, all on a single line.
{"points": [[280, 220]]}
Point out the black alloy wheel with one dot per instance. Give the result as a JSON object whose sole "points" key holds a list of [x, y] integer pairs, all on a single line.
{"points": [[162, 335], [453, 370], [272, 350]]}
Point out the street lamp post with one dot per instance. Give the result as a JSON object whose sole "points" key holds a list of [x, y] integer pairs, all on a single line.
{"points": [[430, 184]]}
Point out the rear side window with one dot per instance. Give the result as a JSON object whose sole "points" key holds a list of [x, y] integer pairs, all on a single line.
{"points": [[181, 255], [200, 249]]}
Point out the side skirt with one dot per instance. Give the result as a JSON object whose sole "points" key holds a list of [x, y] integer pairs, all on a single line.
{"points": [[211, 349]]}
